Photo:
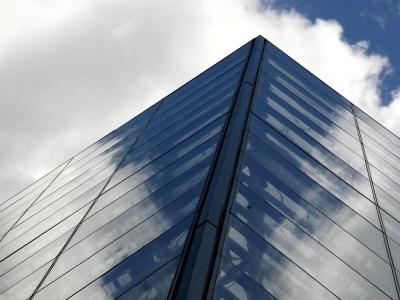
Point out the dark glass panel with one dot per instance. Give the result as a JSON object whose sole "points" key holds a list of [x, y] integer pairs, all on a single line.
{"points": [[310, 255], [265, 265], [353, 174], [137, 200], [317, 87], [137, 267], [116, 252], [154, 287], [170, 138], [208, 76], [225, 87], [311, 227], [233, 284], [314, 170], [307, 118], [104, 159], [112, 231], [130, 182], [312, 192]]}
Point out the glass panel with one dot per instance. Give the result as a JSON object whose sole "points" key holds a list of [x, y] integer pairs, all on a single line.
{"points": [[115, 229], [115, 136], [138, 161], [10, 275], [324, 177], [51, 215], [260, 155], [192, 107], [227, 86], [70, 192], [201, 80], [382, 166], [377, 131], [320, 89], [23, 289], [138, 266], [55, 219], [312, 228], [291, 108], [380, 149], [104, 159], [138, 201], [268, 267], [310, 255], [395, 251], [233, 284], [116, 252], [354, 174], [11, 259], [156, 286], [170, 138], [35, 188]]}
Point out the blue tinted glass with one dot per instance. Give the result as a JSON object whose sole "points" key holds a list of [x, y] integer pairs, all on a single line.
{"points": [[312, 192], [181, 165], [208, 76], [268, 267], [114, 253], [154, 287], [233, 284], [316, 86], [309, 229], [167, 141], [135, 268], [276, 103], [317, 172]]}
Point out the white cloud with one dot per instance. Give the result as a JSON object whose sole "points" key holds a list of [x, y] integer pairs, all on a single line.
{"points": [[72, 71]]}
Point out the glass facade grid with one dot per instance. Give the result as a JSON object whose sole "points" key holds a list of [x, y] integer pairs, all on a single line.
{"points": [[308, 206]]}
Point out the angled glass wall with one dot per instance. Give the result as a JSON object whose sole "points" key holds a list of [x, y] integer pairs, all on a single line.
{"points": [[303, 220], [255, 180], [112, 221]]}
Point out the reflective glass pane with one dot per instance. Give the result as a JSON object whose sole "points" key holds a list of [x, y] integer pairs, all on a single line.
{"points": [[233, 284], [265, 265], [138, 266], [321, 236], [261, 159], [154, 287], [345, 192]]}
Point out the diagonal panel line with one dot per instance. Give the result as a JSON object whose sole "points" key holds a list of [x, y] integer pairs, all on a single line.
{"points": [[94, 202], [378, 211], [34, 201]]}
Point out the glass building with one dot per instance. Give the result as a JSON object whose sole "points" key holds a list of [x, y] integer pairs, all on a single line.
{"points": [[255, 180]]}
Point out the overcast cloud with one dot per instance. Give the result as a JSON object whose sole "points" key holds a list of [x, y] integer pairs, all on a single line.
{"points": [[71, 71]]}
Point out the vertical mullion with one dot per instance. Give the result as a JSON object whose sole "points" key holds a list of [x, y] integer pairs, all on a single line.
{"points": [[385, 238], [94, 202], [195, 268]]}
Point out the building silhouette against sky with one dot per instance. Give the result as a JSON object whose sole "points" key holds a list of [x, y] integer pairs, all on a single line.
{"points": [[254, 180]]}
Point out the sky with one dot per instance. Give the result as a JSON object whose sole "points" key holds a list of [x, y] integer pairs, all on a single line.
{"points": [[72, 71]]}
